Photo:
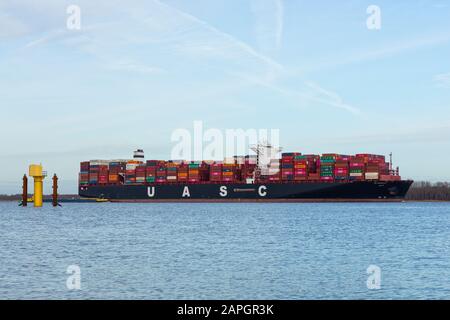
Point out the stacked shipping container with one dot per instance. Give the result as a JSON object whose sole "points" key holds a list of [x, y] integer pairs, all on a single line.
{"points": [[194, 171], [292, 166], [228, 172], [300, 167], [115, 169], [274, 170], [150, 171], [287, 165], [182, 172], [84, 173], [341, 167], [172, 169], [327, 165], [161, 172], [140, 173], [215, 172]]}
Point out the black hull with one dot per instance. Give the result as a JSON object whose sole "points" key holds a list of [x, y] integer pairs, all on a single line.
{"points": [[361, 190]]}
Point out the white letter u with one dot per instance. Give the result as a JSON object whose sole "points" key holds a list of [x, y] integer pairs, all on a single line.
{"points": [[151, 192]]}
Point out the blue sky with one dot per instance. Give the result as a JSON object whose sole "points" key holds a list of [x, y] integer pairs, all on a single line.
{"points": [[138, 70]]}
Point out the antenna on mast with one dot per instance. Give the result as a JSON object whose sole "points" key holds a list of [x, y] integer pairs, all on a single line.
{"points": [[390, 162]]}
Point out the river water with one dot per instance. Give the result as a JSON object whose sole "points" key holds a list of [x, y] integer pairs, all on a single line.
{"points": [[225, 251]]}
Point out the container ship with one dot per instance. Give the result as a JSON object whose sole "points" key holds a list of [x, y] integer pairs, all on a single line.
{"points": [[293, 177]]}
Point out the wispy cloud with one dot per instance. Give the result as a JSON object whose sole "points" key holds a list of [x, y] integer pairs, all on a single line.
{"points": [[132, 66], [331, 98], [280, 21], [269, 16], [307, 93], [222, 42], [437, 133], [442, 80], [169, 28], [383, 52], [45, 39]]}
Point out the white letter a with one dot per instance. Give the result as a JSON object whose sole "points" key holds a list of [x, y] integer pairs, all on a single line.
{"points": [[186, 192]]}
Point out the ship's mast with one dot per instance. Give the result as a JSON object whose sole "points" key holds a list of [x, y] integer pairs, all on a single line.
{"points": [[261, 149], [390, 162]]}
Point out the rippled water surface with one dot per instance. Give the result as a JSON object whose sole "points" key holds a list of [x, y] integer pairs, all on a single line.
{"points": [[225, 251]]}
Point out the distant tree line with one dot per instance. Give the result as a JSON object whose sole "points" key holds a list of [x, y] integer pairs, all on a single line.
{"points": [[422, 190], [18, 197], [6, 197]]}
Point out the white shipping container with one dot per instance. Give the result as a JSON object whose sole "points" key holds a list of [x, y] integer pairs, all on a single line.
{"points": [[228, 160], [131, 166], [98, 162], [356, 174], [372, 175], [118, 160]]}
